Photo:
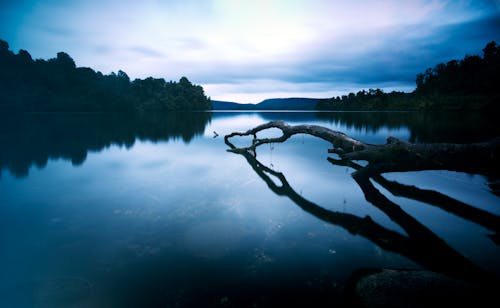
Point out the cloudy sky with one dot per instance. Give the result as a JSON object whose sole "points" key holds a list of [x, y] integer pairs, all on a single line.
{"points": [[246, 51]]}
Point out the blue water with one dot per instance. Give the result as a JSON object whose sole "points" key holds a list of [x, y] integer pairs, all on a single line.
{"points": [[105, 211]]}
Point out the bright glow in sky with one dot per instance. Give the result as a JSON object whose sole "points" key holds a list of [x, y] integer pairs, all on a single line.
{"points": [[246, 51]]}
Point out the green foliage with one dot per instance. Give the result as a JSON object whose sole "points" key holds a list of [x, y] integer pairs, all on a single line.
{"points": [[373, 99], [471, 76], [468, 84], [59, 85]]}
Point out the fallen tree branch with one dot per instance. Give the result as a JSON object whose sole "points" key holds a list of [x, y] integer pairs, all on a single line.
{"points": [[421, 244], [394, 156], [338, 139]]}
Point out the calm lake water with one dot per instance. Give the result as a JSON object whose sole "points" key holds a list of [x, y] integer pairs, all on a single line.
{"points": [[104, 210]]}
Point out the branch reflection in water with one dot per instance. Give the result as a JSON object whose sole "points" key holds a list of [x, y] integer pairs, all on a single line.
{"points": [[420, 244]]}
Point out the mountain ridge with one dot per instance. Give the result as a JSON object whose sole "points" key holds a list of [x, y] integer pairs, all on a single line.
{"points": [[291, 103]]}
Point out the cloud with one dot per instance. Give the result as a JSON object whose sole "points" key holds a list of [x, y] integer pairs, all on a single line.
{"points": [[256, 47], [401, 53], [257, 90], [147, 51]]}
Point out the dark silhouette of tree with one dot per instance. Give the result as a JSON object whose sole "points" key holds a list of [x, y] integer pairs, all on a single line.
{"points": [[123, 77], [467, 84], [373, 99], [59, 85], [64, 61]]}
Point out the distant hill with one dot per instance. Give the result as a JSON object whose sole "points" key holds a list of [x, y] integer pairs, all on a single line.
{"points": [[294, 103], [221, 105]]}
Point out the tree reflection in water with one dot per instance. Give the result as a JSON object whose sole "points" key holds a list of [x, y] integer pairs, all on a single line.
{"points": [[33, 139]]}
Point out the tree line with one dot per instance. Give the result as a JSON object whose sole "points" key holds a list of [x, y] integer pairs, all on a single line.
{"points": [[58, 84], [467, 84]]}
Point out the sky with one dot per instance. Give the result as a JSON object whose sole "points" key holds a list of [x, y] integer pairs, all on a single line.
{"points": [[247, 51]]}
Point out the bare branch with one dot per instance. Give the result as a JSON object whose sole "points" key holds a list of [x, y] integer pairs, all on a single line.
{"points": [[395, 155], [338, 139]]}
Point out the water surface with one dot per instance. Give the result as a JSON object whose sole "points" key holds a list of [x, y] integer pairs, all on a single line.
{"points": [[101, 210]]}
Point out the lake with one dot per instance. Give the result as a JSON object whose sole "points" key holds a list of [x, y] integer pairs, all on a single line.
{"points": [[100, 210]]}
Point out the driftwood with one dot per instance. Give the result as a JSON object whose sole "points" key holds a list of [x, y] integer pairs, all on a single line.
{"points": [[420, 244], [395, 155]]}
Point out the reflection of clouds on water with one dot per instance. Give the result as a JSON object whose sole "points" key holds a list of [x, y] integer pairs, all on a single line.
{"points": [[233, 205], [185, 211], [250, 181], [174, 216], [225, 123], [155, 164], [213, 239], [49, 137], [138, 213]]}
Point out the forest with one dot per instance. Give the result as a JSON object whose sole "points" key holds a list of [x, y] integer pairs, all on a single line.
{"points": [[58, 84], [467, 84]]}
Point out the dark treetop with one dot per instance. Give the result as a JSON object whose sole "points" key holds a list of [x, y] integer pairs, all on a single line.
{"points": [[58, 85], [467, 84]]}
